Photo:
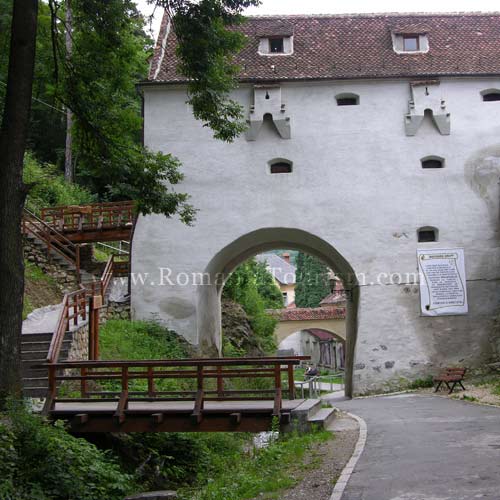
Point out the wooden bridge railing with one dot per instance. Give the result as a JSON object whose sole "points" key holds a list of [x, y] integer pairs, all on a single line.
{"points": [[209, 380], [92, 217], [74, 308], [52, 238]]}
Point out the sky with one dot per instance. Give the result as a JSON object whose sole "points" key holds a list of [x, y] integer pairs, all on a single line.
{"points": [[353, 6]]}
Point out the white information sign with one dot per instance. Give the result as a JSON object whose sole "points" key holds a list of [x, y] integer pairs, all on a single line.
{"points": [[443, 287]]}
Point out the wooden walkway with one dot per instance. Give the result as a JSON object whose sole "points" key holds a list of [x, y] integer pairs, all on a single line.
{"points": [[170, 416], [97, 222], [184, 395]]}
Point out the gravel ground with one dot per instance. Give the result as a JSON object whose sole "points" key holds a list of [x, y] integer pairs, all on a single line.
{"points": [[474, 393], [323, 465]]}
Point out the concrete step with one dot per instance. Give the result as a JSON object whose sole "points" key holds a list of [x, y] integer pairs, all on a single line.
{"points": [[34, 382], [34, 373], [37, 337], [35, 392], [41, 346], [35, 346], [29, 363], [300, 415], [36, 355], [323, 417]]}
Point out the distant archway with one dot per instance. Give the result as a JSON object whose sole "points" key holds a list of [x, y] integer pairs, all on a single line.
{"points": [[262, 240]]}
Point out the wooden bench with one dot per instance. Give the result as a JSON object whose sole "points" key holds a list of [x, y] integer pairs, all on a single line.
{"points": [[451, 377]]}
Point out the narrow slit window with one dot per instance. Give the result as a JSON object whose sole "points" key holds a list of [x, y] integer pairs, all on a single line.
{"points": [[411, 43], [433, 162], [347, 99], [281, 167], [276, 45], [427, 234], [491, 96]]}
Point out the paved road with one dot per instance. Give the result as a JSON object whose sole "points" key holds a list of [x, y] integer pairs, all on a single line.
{"points": [[426, 448]]}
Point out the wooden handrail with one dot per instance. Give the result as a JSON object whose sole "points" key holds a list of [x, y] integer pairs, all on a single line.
{"points": [[94, 216], [74, 307], [53, 239], [199, 370], [270, 360]]}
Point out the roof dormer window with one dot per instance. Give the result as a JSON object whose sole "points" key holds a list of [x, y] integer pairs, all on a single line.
{"points": [[410, 40], [276, 45], [411, 43]]}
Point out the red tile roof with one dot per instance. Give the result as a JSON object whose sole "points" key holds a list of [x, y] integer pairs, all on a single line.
{"points": [[357, 46], [309, 313], [334, 298], [320, 334]]}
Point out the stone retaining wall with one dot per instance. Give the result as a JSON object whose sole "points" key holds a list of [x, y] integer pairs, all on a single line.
{"points": [[64, 279]]}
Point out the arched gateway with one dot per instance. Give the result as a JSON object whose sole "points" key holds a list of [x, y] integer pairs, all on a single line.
{"points": [[228, 258], [341, 180]]}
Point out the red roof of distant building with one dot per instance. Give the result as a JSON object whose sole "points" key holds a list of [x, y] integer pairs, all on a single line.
{"points": [[320, 334], [355, 46], [333, 298], [310, 313]]}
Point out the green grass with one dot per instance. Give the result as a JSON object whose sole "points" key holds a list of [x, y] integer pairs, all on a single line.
{"points": [[100, 255], [137, 340], [122, 339], [264, 473], [40, 289]]}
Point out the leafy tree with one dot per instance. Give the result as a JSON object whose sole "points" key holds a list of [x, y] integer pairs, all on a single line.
{"points": [[312, 281], [253, 274], [13, 136], [47, 121], [205, 48]]}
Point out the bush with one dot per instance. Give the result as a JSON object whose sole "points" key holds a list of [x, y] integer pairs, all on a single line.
{"points": [[39, 461], [421, 383], [48, 187]]}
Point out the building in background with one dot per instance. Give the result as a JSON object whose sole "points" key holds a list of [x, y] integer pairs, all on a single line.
{"points": [[283, 272]]}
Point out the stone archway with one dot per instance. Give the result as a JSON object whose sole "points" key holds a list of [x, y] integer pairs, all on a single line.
{"points": [[229, 257]]}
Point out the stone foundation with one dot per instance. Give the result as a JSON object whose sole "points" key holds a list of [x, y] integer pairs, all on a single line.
{"points": [[114, 310], [79, 350]]}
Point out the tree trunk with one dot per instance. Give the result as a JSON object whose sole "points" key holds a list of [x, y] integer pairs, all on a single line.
{"points": [[69, 173], [13, 133]]}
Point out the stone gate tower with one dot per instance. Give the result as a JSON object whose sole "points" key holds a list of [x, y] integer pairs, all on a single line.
{"points": [[369, 137]]}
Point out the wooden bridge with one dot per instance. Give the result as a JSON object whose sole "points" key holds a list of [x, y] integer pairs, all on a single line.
{"points": [[63, 229], [112, 221], [183, 395]]}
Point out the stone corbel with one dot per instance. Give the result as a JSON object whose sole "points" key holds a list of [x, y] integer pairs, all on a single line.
{"points": [[425, 97], [267, 101]]}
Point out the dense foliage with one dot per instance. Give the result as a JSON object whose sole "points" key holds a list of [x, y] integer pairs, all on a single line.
{"points": [[213, 466], [252, 286], [48, 187], [44, 462], [312, 281]]}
